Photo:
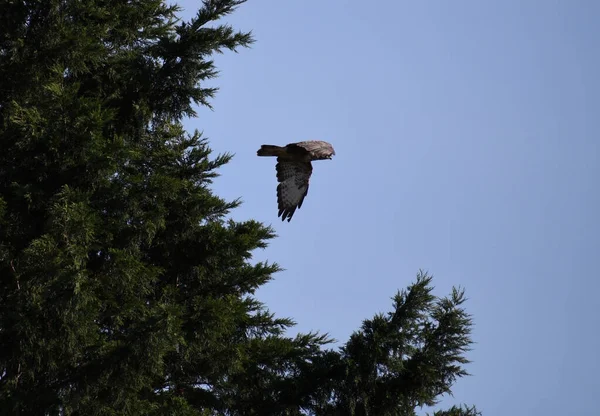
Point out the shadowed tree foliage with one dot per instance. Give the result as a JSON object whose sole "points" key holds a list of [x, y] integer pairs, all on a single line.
{"points": [[124, 290]]}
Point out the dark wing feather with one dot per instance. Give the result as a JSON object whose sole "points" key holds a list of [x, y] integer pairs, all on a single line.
{"points": [[293, 178], [317, 148]]}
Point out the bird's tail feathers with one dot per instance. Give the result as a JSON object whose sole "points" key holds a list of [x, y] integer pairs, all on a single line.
{"points": [[270, 150]]}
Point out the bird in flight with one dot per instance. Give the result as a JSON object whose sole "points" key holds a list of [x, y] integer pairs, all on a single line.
{"points": [[293, 171]]}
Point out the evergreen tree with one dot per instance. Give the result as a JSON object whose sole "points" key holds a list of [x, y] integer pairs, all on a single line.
{"points": [[123, 288]]}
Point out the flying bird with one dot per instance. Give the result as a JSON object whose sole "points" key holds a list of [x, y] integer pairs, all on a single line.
{"points": [[293, 171]]}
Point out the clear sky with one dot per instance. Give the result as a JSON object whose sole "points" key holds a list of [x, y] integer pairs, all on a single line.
{"points": [[467, 137]]}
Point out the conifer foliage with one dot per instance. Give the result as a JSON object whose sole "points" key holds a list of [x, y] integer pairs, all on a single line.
{"points": [[123, 288]]}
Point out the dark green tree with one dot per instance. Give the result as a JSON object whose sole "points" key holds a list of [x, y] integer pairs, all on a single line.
{"points": [[123, 288]]}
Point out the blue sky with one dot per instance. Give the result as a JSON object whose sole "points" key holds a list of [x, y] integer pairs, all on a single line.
{"points": [[467, 140]]}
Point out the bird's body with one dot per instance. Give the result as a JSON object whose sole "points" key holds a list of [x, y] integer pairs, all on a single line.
{"points": [[294, 169]]}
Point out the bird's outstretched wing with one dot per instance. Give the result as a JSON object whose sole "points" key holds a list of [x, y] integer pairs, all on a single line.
{"points": [[293, 178]]}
